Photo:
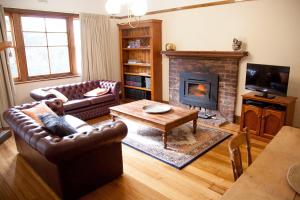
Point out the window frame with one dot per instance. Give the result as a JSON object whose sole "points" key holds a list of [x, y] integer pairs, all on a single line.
{"points": [[17, 32], [14, 44]]}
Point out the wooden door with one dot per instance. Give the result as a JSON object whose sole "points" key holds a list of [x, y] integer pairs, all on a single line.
{"points": [[251, 118], [272, 121]]}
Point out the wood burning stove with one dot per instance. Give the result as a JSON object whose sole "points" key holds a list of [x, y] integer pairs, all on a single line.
{"points": [[199, 89]]}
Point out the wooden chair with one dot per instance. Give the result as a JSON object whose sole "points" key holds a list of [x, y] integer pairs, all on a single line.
{"points": [[235, 153]]}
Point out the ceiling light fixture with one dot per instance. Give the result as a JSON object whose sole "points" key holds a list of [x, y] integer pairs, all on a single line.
{"points": [[135, 8]]}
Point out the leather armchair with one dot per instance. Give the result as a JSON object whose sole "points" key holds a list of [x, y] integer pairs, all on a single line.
{"points": [[73, 165]]}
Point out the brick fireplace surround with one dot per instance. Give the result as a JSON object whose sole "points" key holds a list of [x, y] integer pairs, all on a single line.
{"points": [[225, 64]]}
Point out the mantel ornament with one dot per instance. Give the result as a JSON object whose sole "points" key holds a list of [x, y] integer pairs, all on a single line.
{"points": [[170, 47], [236, 44]]}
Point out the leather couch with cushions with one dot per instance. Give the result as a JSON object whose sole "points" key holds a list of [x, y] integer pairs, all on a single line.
{"points": [[80, 106], [72, 165]]}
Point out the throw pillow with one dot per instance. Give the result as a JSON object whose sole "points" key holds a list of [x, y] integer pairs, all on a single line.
{"points": [[58, 95], [57, 125], [36, 111], [97, 92]]}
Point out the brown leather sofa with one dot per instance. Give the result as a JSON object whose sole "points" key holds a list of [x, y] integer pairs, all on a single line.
{"points": [[80, 106], [73, 165]]}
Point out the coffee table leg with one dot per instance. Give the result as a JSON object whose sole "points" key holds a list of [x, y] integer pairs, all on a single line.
{"points": [[194, 126], [165, 138]]}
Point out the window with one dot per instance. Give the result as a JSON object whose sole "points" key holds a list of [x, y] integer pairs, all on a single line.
{"points": [[46, 45]]}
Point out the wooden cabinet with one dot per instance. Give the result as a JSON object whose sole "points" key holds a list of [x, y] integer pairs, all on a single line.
{"points": [[271, 123], [265, 117], [251, 118], [141, 61]]}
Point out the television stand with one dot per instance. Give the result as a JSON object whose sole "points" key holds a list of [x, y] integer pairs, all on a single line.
{"points": [[265, 95], [264, 117]]}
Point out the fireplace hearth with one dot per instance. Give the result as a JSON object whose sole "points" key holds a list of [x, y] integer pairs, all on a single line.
{"points": [[199, 89]]}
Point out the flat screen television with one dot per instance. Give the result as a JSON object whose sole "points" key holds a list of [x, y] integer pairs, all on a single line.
{"points": [[267, 79]]}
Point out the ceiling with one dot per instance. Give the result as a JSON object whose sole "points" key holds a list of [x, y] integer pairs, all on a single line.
{"points": [[91, 6]]}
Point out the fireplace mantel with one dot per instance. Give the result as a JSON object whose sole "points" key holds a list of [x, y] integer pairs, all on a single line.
{"points": [[206, 54]]}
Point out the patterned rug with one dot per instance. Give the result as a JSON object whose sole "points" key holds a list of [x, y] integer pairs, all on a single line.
{"points": [[183, 146]]}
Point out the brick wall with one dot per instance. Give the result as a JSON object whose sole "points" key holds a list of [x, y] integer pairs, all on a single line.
{"points": [[227, 69]]}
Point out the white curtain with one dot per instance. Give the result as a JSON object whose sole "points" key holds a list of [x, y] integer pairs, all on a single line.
{"points": [[97, 47], [7, 91]]}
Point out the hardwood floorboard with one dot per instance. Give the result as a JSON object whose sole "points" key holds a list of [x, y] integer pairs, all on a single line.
{"points": [[20, 177], [173, 180], [208, 177], [127, 188], [5, 190]]}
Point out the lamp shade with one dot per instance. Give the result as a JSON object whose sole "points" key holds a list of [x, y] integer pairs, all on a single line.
{"points": [[113, 7], [139, 7]]}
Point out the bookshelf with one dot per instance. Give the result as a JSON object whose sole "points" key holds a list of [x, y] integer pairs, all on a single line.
{"points": [[141, 61]]}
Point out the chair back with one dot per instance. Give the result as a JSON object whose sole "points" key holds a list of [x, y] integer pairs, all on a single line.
{"points": [[235, 154]]}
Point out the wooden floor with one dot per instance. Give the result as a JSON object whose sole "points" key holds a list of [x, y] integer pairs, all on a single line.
{"points": [[144, 177]]}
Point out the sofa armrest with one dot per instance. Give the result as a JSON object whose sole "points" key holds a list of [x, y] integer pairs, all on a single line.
{"points": [[58, 150], [17, 120], [41, 94], [114, 87]]}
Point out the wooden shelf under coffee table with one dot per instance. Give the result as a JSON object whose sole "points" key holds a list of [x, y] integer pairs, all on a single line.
{"points": [[164, 122]]}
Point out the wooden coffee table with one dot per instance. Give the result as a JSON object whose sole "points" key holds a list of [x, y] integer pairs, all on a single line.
{"points": [[164, 122]]}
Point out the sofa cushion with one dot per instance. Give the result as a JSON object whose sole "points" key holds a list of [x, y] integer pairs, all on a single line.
{"points": [[36, 111], [57, 125], [101, 99], [97, 92], [77, 103], [75, 122]]}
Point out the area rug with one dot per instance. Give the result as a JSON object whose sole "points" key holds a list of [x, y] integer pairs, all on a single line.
{"points": [[183, 146]]}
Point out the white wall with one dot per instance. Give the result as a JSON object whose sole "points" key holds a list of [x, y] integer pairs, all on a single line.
{"points": [[92, 6], [23, 90], [72, 6], [270, 29]]}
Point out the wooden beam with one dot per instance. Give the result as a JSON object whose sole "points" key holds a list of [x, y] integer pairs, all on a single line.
{"points": [[39, 12], [202, 5], [47, 13]]}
